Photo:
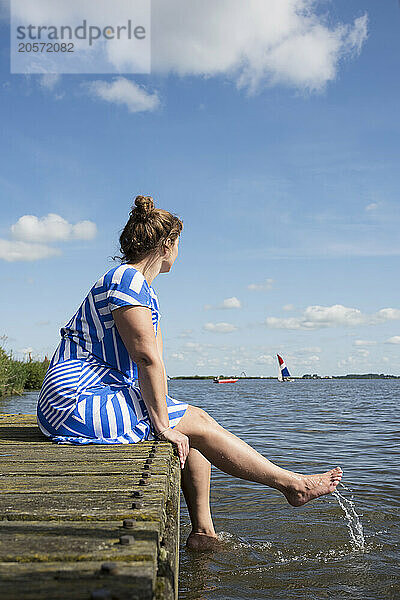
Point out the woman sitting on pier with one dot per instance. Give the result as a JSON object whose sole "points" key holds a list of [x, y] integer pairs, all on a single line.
{"points": [[106, 383]]}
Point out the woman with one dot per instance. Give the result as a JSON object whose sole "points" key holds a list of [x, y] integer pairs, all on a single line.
{"points": [[106, 383]]}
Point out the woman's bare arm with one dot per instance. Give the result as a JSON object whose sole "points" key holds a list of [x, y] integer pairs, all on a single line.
{"points": [[135, 327], [159, 340]]}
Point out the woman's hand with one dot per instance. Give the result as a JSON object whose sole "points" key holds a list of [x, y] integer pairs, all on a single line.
{"points": [[180, 440]]}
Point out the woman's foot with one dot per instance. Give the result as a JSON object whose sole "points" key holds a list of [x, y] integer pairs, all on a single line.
{"points": [[303, 488], [202, 541]]}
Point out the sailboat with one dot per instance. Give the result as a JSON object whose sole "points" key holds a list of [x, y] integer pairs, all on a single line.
{"points": [[284, 374]]}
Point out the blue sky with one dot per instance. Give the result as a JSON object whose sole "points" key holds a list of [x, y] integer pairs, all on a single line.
{"points": [[286, 182]]}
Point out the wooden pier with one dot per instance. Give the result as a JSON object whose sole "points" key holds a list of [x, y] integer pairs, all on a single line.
{"points": [[86, 522]]}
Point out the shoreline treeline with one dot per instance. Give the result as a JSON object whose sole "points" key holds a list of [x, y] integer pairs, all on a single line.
{"points": [[17, 376], [307, 377]]}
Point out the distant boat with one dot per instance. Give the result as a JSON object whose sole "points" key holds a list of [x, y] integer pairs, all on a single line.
{"points": [[220, 380], [284, 374]]}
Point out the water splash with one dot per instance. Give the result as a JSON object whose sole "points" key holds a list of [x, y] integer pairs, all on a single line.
{"points": [[353, 521]]}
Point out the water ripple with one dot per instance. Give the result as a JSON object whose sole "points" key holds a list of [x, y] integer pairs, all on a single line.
{"points": [[270, 550]]}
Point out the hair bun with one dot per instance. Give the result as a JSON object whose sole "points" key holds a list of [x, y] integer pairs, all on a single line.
{"points": [[144, 205]]}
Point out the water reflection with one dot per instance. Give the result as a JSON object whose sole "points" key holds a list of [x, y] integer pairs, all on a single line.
{"points": [[276, 552]]}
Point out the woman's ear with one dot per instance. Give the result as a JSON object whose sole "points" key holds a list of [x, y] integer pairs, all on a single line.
{"points": [[167, 247]]}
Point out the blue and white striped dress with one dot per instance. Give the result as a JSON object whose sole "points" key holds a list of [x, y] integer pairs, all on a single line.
{"points": [[90, 393]]}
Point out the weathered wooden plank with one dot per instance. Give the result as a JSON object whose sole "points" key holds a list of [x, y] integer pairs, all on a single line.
{"points": [[64, 508], [141, 530], [109, 466], [17, 434], [76, 483], [9, 446], [82, 506], [72, 542], [63, 452], [167, 581], [17, 418], [77, 581], [72, 456]]}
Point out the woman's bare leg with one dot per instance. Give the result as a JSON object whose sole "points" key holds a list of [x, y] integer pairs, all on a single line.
{"points": [[233, 456], [195, 480]]}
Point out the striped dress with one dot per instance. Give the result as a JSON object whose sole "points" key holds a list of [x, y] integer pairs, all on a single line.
{"points": [[90, 394]]}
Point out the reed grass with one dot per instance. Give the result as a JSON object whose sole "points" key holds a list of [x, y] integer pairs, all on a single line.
{"points": [[17, 376]]}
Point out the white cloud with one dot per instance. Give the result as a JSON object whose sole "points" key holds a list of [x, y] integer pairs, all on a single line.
{"points": [[349, 361], [186, 333], [193, 346], [231, 303], [49, 81], [309, 349], [227, 303], [265, 359], [363, 352], [388, 314], [256, 43], [267, 285], [220, 327], [31, 235], [178, 356], [364, 343], [313, 358], [288, 307], [13, 251], [28, 350], [309, 361], [318, 317], [372, 206], [124, 92], [84, 230], [51, 228], [394, 340], [253, 43], [355, 362]]}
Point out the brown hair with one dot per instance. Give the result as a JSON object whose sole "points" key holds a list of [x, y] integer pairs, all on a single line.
{"points": [[147, 229]]}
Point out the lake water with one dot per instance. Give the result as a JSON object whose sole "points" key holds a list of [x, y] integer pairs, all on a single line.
{"points": [[271, 550]]}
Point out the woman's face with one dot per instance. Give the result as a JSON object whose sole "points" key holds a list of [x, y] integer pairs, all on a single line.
{"points": [[170, 256]]}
